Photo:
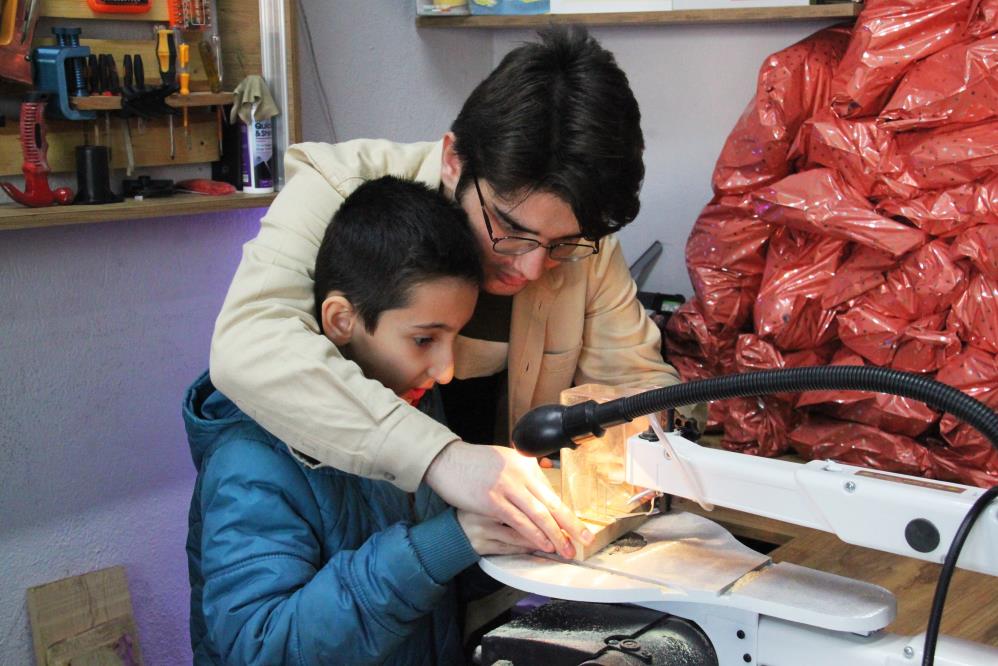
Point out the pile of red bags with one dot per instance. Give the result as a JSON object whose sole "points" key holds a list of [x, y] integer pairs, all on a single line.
{"points": [[855, 221]]}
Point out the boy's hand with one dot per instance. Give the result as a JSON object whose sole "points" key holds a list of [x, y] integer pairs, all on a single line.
{"points": [[490, 537], [500, 483]]}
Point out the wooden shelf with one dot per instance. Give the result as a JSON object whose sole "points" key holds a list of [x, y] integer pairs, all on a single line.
{"points": [[844, 10], [113, 102], [14, 216]]}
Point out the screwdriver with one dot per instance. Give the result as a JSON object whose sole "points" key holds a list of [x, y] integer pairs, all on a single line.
{"points": [[185, 86], [166, 51]]}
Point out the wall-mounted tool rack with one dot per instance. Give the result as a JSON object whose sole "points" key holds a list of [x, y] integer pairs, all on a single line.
{"points": [[239, 27]]}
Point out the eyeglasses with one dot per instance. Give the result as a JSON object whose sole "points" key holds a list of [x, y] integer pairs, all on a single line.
{"points": [[516, 245]]}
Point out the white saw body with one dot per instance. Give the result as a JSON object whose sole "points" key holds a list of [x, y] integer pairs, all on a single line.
{"points": [[753, 610]]}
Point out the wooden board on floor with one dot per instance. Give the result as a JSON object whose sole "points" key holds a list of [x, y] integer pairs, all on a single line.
{"points": [[85, 619]]}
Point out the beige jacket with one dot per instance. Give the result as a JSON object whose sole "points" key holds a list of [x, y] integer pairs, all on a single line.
{"points": [[579, 323]]}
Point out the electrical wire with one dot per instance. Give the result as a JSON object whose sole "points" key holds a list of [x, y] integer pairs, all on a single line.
{"points": [[327, 114], [949, 565]]}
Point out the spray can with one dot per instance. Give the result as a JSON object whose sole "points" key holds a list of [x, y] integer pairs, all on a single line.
{"points": [[257, 155]]}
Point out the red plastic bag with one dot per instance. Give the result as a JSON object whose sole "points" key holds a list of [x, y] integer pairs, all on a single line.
{"points": [[972, 457], [984, 19], [792, 85], [725, 257], [862, 271], [890, 36], [788, 310], [759, 425], [926, 346], [819, 201], [980, 245], [939, 158], [975, 314], [853, 148], [949, 211], [857, 444], [957, 85]]}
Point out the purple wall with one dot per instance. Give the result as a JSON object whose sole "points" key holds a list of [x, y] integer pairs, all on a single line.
{"points": [[102, 327]]}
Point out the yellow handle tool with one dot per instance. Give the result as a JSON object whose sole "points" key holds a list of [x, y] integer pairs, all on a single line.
{"points": [[184, 77]]}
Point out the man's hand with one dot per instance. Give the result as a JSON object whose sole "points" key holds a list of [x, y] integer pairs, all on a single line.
{"points": [[500, 483], [490, 537]]}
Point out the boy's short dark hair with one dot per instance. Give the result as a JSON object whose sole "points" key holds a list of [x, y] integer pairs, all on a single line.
{"points": [[388, 236], [557, 116]]}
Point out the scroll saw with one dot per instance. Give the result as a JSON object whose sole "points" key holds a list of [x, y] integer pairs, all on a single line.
{"points": [[696, 596]]}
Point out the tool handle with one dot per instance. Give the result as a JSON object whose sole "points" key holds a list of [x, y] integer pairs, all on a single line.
{"points": [[185, 76], [140, 72], [128, 85], [166, 52]]}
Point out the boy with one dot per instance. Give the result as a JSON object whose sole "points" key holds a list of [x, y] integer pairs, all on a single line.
{"points": [[297, 565]]}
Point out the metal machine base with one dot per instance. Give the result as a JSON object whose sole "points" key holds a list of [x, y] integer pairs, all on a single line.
{"points": [[574, 633]]}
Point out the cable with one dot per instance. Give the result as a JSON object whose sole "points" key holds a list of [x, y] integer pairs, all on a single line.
{"points": [[949, 565], [318, 75]]}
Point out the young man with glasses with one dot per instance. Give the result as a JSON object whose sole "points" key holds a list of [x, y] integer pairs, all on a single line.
{"points": [[545, 158]]}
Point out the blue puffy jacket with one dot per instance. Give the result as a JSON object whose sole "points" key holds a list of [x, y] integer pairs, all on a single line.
{"points": [[292, 565]]}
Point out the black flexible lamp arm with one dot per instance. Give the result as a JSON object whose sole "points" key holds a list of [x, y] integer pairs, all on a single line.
{"points": [[549, 428]]}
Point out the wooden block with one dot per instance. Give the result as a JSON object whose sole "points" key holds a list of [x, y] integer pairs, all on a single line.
{"points": [[113, 643], [605, 534], [150, 144], [86, 619]]}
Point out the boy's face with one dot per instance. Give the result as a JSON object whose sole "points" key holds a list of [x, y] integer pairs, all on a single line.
{"points": [[412, 348]]}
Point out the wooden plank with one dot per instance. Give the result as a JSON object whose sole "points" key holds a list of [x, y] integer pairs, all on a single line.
{"points": [[150, 143], [740, 15], [113, 102], [68, 608], [13, 216], [78, 9], [239, 25]]}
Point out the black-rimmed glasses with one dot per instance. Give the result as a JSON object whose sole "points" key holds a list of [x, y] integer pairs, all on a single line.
{"points": [[516, 245]]}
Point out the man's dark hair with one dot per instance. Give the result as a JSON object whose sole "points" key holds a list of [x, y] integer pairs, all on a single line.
{"points": [[388, 236], [557, 116]]}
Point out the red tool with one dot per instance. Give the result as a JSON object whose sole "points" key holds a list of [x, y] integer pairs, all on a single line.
{"points": [[119, 6], [36, 168]]}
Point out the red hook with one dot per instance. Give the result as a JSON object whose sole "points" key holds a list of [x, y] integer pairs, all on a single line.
{"points": [[36, 167]]}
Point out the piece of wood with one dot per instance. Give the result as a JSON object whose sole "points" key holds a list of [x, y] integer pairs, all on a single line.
{"points": [[740, 15], [78, 9], [14, 216], [113, 102], [605, 534], [239, 25], [113, 643], [78, 615], [150, 142]]}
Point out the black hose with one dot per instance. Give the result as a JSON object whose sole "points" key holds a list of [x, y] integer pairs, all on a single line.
{"points": [[798, 380]]}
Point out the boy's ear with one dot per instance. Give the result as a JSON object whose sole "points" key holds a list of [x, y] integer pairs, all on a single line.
{"points": [[338, 319], [450, 165]]}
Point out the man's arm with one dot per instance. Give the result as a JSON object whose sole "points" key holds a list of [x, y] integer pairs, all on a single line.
{"points": [[268, 357], [622, 346]]}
